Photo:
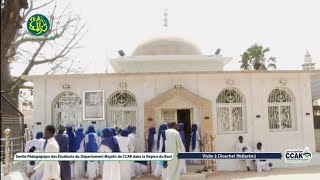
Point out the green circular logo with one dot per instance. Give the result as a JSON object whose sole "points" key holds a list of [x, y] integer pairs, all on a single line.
{"points": [[38, 25]]}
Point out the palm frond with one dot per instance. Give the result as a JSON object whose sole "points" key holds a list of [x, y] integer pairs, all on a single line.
{"points": [[254, 58], [272, 66]]}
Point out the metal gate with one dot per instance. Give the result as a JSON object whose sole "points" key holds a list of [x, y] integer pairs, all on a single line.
{"points": [[12, 122], [122, 109], [67, 109]]}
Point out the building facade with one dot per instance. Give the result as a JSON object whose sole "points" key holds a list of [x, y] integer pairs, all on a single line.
{"points": [[272, 107]]}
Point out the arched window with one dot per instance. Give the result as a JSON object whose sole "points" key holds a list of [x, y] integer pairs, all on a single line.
{"points": [[122, 109], [316, 102], [230, 111], [280, 109], [67, 109]]}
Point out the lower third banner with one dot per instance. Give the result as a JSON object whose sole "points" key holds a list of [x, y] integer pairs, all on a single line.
{"points": [[230, 155]]}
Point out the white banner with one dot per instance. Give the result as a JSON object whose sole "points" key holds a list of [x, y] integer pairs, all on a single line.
{"points": [[93, 157]]}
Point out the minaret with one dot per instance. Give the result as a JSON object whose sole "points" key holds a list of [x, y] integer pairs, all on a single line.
{"points": [[308, 65]]}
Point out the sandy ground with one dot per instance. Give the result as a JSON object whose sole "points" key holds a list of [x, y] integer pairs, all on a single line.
{"points": [[308, 173]]}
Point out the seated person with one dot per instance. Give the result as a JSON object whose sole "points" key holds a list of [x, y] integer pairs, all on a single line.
{"points": [[262, 165]]}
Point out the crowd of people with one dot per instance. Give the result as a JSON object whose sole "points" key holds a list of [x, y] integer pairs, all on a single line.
{"points": [[108, 140], [170, 138]]}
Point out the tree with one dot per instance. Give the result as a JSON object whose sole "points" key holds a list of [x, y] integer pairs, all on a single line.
{"points": [[11, 21], [46, 55], [254, 59]]}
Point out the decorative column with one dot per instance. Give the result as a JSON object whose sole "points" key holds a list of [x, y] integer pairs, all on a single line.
{"points": [[148, 162], [214, 164], [7, 157]]}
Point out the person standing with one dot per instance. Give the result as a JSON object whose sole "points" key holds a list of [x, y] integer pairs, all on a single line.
{"points": [[79, 166], [63, 141], [173, 144], [35, 145], [243, 147], [93, 166], [99, 143], [184, 141], [195, 142], [164, 172], [134, 134], [152, 146], [126, 146], [50, 169], [160, 144], [131, 134], [114, 132], [133, 140], [70, 134], [109, 144], [161, 128], [91, 130]]}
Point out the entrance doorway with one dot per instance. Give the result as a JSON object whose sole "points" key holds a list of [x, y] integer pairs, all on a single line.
{"points": [[316, 120], [183, 116]]}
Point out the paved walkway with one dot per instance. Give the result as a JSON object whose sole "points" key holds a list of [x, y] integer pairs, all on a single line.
{"points": [[307, 173]]}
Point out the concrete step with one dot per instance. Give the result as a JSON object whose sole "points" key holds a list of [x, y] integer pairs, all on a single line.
{"points": [[198, 176], [16, 175], [315, 160]]}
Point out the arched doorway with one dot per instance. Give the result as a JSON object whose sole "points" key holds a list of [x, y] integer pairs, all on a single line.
{"points": [[67, 109], [316, 120], [153, 111], [122, 109]]}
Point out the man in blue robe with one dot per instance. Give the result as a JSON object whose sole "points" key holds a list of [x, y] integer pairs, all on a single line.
{"points": [[63, 141]]}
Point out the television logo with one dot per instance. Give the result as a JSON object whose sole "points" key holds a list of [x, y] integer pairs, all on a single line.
{"points": [[298, 156], [38, 25]]}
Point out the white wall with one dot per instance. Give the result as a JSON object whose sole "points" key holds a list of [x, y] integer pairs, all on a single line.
{"points": [[254, 86]]}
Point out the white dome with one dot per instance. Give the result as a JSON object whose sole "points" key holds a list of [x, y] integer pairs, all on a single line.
{"points": [[166, 46]]}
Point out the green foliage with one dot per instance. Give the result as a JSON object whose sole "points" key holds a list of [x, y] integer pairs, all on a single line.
{"points": [[254, 58]]}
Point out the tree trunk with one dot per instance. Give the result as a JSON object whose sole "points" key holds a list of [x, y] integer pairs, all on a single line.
{"points": [[6, 78], [10, 24]]}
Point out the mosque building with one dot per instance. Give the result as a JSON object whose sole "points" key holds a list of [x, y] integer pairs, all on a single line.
{"points": [[169, 79]]}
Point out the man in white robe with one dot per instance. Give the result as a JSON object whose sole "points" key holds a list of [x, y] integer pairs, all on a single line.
{"points": [[35, 145], [262, 165], [244, 147], [174, 145], [51, 169], [132, 138], [125, 146]]}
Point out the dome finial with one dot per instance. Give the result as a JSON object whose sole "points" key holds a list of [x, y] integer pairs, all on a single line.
{"points": [[165, 19]]}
